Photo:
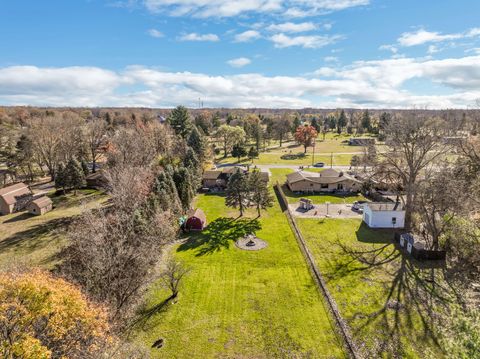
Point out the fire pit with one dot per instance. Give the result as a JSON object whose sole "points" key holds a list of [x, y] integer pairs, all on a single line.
{"points": [[250, 243]]}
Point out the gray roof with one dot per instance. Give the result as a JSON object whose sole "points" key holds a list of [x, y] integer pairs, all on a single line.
{"points": [[326, 176], [385, 206]]}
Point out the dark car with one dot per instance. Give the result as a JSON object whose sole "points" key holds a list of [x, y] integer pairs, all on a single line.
{"points": [[319, 164], [358, 206]]}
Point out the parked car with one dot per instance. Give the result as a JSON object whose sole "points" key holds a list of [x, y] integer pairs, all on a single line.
{"points": [[358, 206], [319, 164]]}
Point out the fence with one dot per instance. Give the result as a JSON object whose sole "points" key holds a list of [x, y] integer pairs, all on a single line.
{"points": [[342, 326]]}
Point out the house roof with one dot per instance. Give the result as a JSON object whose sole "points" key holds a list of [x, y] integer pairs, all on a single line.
{"points": [[384, 206], [42, 202], [198, 213], [326, 176], [211, 175], [10, 193]]}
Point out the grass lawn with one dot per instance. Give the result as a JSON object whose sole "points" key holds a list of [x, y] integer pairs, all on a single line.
{"points": [[278, 174], [241, 304], [369, 293], [35, 240]]}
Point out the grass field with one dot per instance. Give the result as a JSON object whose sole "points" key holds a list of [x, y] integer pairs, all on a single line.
{"points": [[241, 304], [371, 294], [278, 175], [266, 158], [28, 240]]}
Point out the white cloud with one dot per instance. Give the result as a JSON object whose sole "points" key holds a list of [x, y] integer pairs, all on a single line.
{"points": [[155, 33], [199, 37], [230, 8], [330, 59], [391, 48], [292, 27], [239, 62], [310, 42], [248, 35], [374, 84], [422, 36]]}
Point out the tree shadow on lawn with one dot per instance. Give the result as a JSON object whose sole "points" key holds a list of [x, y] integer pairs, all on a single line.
{"points": [[20, 217], [366, 234], [219, 234], [412, 296], [32, 238]]}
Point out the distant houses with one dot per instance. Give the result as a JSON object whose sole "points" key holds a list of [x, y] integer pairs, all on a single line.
{"points": [[328, 180], [14, 198], [384, 215], [218, 179]]}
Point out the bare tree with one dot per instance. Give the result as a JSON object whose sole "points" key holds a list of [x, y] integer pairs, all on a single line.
{"points": [[416, 144], [96, 139], [172, 275]]}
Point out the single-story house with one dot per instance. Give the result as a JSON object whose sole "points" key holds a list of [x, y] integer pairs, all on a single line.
{"points": [[384, 215], [328, 180], [40, 206], [219, 178], [197, 220], [14, 198], [361, 141]]}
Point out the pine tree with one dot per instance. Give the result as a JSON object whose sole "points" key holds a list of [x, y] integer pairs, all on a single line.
{"points": [[342, 122], [191, 161], [296, 124], [237, 191], [315, 124], [197, 142], [165, 193], [180, 121], [84, 165], [238, 151], [366, 121], [259, 194], [185, 184], [75, 178], [252, 153], [61, 178]]}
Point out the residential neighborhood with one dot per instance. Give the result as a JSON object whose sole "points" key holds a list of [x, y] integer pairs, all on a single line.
{"points": [[242, 180]]}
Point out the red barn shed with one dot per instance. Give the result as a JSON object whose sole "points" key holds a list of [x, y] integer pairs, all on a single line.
{"points": [[196, 221]]}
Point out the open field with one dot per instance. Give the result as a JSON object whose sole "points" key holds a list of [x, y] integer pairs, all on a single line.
{"points": [[278, 174], [370, 296], [240, 304], [34, 241]]}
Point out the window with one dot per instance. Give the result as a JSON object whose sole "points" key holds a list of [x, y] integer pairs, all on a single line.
{"points": [[324, 186], [394, 220], [340, 186]]}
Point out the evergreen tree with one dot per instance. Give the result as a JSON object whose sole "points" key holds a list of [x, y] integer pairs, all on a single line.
{"points": [[332, 122], [252, 153], [296, 124], [61, 178], [366, 121], [84, 166], [197, 142], [315, 124], [342, 122], [179, 119], [191, 161], [75, 178], [237, 191], [384, 121], [259, 193], [185, 184], [165, 193], [238, 151]]}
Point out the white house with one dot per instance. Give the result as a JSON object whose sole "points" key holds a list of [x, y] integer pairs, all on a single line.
{"points": [[384, 215]]}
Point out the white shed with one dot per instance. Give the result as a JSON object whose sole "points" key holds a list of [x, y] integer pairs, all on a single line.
{"points": [[384, 215]]}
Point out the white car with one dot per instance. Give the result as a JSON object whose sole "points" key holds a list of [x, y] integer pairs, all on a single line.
{"points": [[358, 206]]}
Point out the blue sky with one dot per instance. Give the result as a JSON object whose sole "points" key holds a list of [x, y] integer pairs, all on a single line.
{"points": [[248, 53]]}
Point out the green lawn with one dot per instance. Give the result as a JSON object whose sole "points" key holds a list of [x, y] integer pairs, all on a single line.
{"points": [[35, 240], [266, 158], [279, 174], [240, 304], [369, 279]]}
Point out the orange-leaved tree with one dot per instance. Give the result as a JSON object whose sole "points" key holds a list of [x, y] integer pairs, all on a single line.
{"points": [[306, 135], [45, 317]]}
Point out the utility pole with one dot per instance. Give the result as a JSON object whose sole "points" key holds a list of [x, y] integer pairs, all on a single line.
{"points": [[313, 155], [331, 159]]}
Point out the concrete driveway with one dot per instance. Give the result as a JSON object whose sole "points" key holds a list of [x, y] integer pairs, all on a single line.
{"points": [[320, 211]]}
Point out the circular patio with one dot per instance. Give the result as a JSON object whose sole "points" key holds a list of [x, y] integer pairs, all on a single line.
{"points": [[251, 243]]}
